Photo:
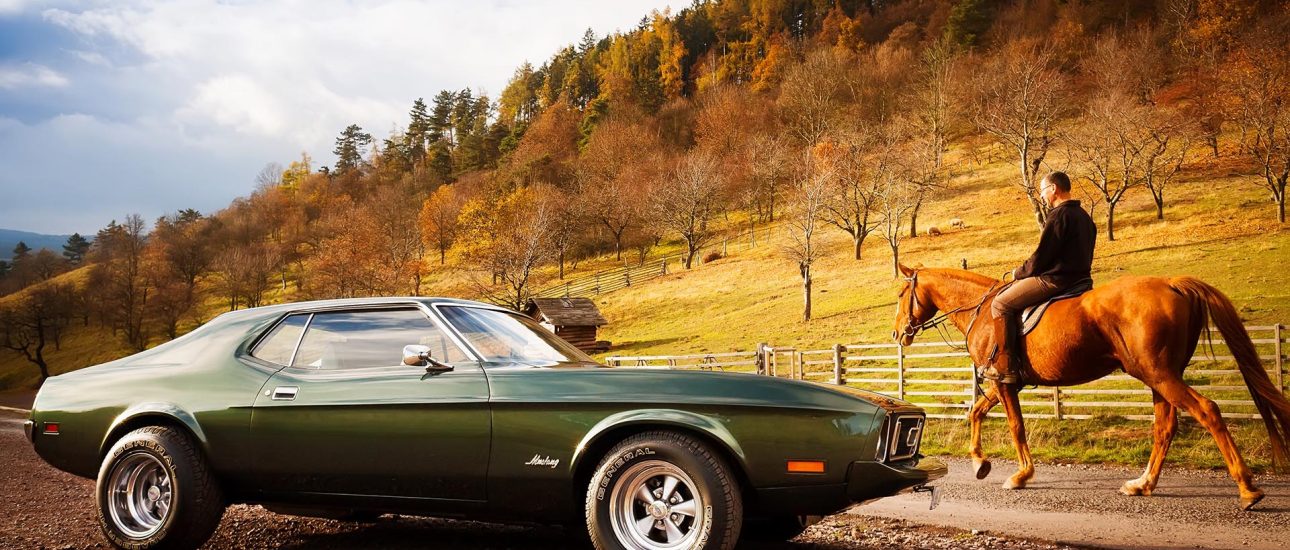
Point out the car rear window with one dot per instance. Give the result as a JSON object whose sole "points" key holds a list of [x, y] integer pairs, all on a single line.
{"points": [[280, 344]]}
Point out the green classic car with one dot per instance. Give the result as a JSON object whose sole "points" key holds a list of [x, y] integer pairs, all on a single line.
{"points": [[441, 407]]}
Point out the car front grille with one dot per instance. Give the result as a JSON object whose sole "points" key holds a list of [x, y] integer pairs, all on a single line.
{"points": [[901, 436]]}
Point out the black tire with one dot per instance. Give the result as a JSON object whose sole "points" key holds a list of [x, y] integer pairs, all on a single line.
{"points": [[777, 528], [195, 502], [701, 483]]}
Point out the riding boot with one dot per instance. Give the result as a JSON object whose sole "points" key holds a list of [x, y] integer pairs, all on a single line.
{"points": [[1007, 361]]}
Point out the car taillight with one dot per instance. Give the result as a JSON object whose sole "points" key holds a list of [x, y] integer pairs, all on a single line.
{"points": [[51, 428]]}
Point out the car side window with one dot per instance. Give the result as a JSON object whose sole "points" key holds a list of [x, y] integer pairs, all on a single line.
{"points": [[279, 344], [375, 338]]}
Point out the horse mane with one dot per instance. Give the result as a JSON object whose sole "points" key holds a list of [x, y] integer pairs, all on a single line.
{"points": [[961, 275]]}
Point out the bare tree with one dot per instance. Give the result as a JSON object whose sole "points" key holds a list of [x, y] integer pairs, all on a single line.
{"points": [[809, 196], [1171, 135], [1259, 77], [614, 173], [509, 245], [687, 200], [857, 166], [812, 95], [34, 320], [1017, 96], [898, 194], [1109, 147], [768, 155], [118, 255]]}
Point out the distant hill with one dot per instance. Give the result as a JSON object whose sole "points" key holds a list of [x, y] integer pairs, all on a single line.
{"points": [[9, 238]]}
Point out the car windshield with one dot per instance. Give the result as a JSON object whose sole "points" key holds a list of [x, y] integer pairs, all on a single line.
{"points": [[508, 337]]}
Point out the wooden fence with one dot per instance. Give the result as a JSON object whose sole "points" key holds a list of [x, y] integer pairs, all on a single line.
{"points": [[939, 376]]}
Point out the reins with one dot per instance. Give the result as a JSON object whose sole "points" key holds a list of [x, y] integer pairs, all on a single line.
{"points": [[938, 321]]}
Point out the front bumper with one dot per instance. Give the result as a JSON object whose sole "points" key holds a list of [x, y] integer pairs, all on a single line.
{"points": [[866, 481], [872, 480]]}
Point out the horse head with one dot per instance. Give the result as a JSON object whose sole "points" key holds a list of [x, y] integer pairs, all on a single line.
{"points": [[913, 308]]}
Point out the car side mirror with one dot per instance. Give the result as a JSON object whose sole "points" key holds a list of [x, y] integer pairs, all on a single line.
{"points": [[416, 355]]}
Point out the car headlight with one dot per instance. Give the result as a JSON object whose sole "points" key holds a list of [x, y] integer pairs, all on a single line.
{"points": [[900, 438]]}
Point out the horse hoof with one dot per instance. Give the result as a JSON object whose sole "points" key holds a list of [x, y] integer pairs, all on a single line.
{"points": [[983, 469], [1133, 491], [1013, 485], [1250, 501]]}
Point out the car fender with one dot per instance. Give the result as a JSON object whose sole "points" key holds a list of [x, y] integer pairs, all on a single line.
{"points": [[669, 417], [168, 411]]}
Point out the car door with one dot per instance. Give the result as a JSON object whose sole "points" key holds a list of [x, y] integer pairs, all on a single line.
{"points": [[345, 416]]}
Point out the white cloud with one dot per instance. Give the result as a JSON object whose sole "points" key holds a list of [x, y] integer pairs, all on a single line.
{"points": [[232, 85], [30, 75]]}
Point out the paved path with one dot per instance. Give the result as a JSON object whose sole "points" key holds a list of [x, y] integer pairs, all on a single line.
{"points": [[1079, 504]]}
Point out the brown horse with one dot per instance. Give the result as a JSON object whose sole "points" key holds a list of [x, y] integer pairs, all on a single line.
{"points": [[1147, 326]]}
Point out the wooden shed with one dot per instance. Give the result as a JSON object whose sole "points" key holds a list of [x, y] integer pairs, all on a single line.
{"points": [[574, 319]]}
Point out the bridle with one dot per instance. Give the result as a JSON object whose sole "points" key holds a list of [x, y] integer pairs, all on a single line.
{"points": [[937, 322]]}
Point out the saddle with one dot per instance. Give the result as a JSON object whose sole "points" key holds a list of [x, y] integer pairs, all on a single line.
{"points": [[1031, 316]]}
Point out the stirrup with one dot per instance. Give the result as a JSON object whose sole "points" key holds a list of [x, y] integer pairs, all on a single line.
{"points": [[988, 372]]}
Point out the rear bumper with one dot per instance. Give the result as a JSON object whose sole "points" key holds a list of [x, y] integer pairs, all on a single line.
{"points": [[872, 480], [29, 427]]}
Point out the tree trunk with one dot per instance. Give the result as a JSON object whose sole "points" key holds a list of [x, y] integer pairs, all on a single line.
{"points": [[895, 260], [913, 222], [1212, 140], [443, 255], [561, 265], [1160, 206], [1281, 208], [806, 292], [1110, 221], [857, 239]]}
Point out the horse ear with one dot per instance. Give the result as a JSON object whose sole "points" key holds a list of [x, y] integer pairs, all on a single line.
{"points": [[905, 270]]}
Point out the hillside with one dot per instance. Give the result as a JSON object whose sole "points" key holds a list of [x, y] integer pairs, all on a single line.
{"points": [[1217, 227]]}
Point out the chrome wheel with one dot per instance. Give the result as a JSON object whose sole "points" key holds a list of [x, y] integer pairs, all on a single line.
{"points": [[139, 495], [656, 505]]}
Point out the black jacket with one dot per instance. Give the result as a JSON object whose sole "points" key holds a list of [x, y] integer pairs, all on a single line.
{"points": [[1065, 252]]}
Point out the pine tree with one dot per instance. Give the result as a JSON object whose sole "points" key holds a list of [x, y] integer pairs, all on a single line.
{"points": [[76, 248], [349, 149], [21, 252], [418, 130], [441, 117]]}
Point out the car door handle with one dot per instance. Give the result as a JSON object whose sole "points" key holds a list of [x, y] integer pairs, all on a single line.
{"points": [[284, 393]]}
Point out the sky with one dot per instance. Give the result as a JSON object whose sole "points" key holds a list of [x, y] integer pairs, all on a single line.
{"points": [[117, 107]]}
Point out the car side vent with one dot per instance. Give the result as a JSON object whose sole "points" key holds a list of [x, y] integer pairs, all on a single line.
{"points": [[901, 437]]}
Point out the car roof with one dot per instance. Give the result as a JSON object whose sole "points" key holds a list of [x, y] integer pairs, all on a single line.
{"points": [[341, 303]]}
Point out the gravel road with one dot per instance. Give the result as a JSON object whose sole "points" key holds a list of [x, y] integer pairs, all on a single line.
{"points": [[1067, 506]]}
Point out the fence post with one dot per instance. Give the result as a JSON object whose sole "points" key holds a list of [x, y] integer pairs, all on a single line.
{"points": [[665, 265], [597, 291], [760, 360], [1057, 402], [724, 244], [795, 372], [837, 365], [627, 276], [900, 370], [1276, 332]]}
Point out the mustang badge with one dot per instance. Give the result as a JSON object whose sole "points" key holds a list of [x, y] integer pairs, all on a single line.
{"points": [[539, 460]]}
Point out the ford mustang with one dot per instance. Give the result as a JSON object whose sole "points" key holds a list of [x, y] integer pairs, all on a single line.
{"points": [[451, 408]]}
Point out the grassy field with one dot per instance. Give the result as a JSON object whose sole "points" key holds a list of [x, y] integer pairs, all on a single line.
{"points": [[1219, 226]]}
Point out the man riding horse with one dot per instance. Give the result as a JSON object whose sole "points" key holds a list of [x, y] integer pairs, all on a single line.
{"points": [[1063, 259]]}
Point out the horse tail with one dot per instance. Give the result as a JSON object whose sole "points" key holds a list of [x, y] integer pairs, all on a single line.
{"points": [[1272, 405]]}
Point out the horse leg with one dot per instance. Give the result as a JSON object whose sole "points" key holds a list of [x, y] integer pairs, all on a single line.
{"points": [[1025, 467], [1163, 434], [1206, 412], [989, 398]]}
